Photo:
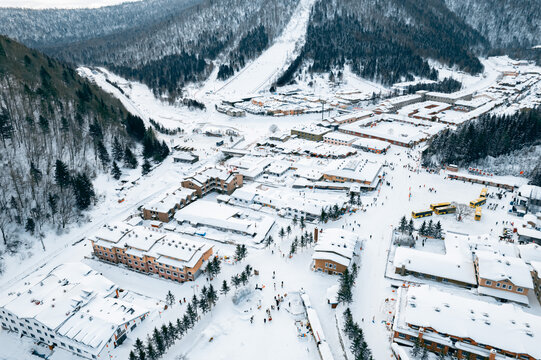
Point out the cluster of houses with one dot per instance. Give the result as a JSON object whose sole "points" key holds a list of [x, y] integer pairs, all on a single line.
{"points": [[470, 326], [504, 271]]}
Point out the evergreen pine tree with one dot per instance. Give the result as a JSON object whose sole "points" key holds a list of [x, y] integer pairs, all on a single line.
{"points": [[61, 174], [282, 233], [422, 229], [132, 356], [172, 331], [157, 337], [103, 154], [225, 288], [129, 159], [83, 190], [179, 328], [344, 292], [170, 298], [424, 354], [411, 227], [403, 224], [212, 296], [139, 347], [192, 314], [187, 322], [118, 152], [145, 168], [438, 231], [151, 351], [30, 226], [430, 229], [115, 171]]}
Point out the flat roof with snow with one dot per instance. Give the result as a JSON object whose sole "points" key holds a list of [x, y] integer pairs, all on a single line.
{"points": [[502, 326]]}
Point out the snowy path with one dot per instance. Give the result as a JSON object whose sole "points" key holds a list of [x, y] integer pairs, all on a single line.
{"points": [[263, 71]]}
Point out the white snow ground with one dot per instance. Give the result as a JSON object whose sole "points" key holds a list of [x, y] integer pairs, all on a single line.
{"points": [[60, 4]]}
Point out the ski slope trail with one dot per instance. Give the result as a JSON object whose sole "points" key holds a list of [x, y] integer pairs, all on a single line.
{"points": [[261, 72]]}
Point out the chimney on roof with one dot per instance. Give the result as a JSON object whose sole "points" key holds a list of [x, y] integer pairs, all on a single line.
{"points": [[492, 355], [315, 235], [116, 293]]}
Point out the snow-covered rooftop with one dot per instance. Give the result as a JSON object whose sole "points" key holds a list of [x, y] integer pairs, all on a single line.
{"points": [[500, 268], [502, 326], [456, 264]]}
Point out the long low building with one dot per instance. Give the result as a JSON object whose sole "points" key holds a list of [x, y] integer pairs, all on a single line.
{"points": [[169, 256], [287, 202], [465, 326], [73, 308], [364, 172], [455, 266], [223, 217]]}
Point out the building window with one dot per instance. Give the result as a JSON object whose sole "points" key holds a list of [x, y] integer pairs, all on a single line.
{"points": [[498, 285], [520, 289], [161, 270], [488, 282], [504, 286], [168, 272], [112, 256], [135, 263], [129, 261], [150, 269], [70, 347]]}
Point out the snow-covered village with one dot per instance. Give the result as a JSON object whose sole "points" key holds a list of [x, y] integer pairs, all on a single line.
{"points": [[330, 215]]}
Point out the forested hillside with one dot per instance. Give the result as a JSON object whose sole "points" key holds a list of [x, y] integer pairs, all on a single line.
{"points": [[489, 136], [56, 132], [58, 27], [504, 23], [388, 41]]}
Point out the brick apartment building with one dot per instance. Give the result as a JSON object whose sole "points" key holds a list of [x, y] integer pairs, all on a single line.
{"points": [[213, 179], [141, 249]]}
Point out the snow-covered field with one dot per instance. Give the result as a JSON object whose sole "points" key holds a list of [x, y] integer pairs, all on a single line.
{"points": [[60, 4]]}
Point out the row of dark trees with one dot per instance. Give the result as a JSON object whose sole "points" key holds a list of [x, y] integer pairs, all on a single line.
{"points": [[164, 337], [241, 278], [347, 281], [358, 347], [431, 230], [447, 85], [490, 135], [331, 213]]}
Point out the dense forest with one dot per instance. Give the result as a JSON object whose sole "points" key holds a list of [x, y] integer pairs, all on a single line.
{"points": [[489, 136], [386, 41], [249, 47], [57, 131]]}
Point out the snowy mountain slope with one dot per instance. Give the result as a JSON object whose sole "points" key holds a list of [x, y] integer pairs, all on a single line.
{"points": [[262, 72]]}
